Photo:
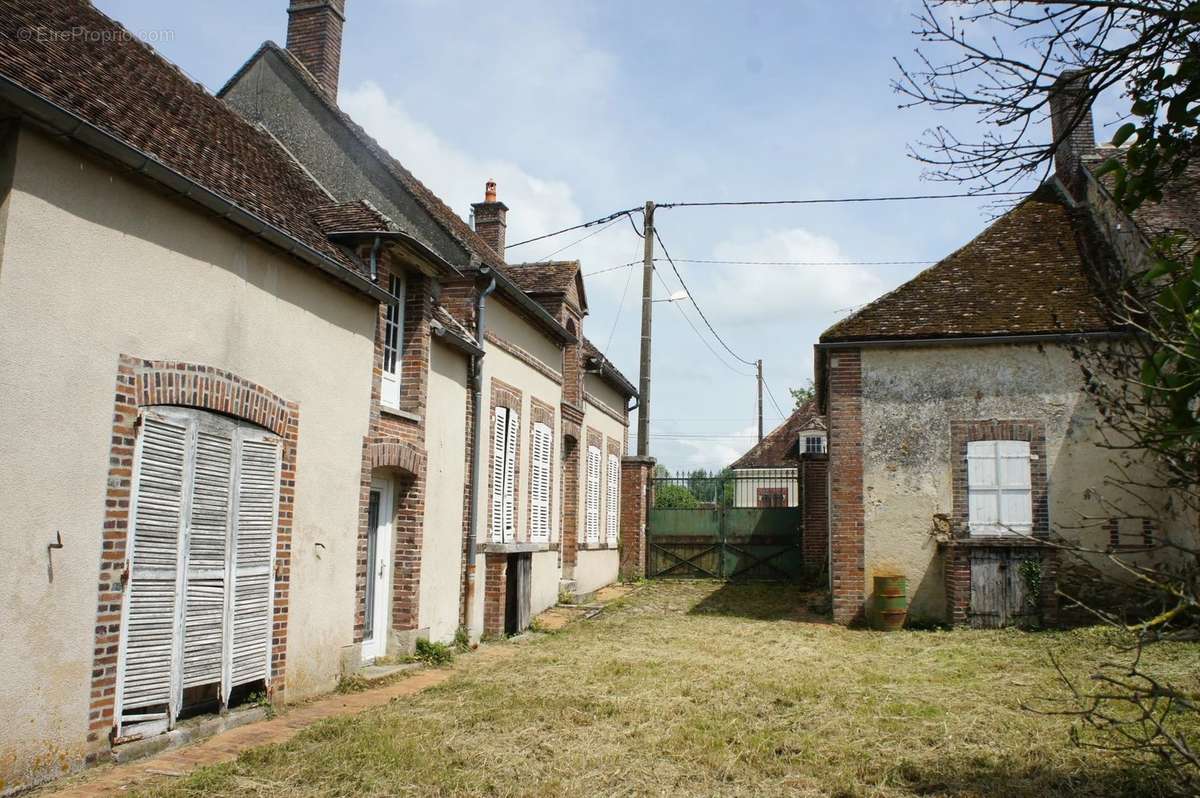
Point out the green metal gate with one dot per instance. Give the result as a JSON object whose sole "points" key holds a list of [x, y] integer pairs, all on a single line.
{"points": [[744, 526]]}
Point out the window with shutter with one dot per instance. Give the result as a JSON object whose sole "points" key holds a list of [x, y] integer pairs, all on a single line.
{"points": [[504, 474], [1000, 500], [613, 505], [539, 484], [592, 498], [202, 542], [393, 347]]}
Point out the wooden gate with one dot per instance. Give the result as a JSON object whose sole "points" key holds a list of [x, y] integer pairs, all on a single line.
{"points": [[727, 527], [999, 595]]}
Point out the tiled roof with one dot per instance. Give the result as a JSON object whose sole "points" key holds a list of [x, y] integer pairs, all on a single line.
{"points": [[613, 375], [1179, 210], [1028, 272], [358, 216], [544, 277], [450, 221], [454, 328], [781, 446], [97, 71]]}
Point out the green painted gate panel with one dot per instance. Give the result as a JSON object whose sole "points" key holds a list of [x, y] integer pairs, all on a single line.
{"points": [[719, 541]]}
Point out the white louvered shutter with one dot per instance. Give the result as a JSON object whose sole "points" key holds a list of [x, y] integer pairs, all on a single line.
{"points": [[539, 485], [255, 503], [592, 501], [151, 607], [613, 506], [510, 476], [499, 436], [998, 488], [207, 540]]}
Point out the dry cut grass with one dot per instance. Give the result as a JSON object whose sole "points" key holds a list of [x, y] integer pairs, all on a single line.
{"points": [[709, 689]]}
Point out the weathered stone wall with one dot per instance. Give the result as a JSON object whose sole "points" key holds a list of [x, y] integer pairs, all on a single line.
{"points": [[910, 396]]}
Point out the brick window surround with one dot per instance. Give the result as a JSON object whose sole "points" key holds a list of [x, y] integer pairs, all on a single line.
{"points": [[143, 383], [504, 395], [1031, 431], [394, 447], [594, 437]]}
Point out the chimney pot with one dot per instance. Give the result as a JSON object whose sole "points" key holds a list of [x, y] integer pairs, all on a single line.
{"points": [[314, 36], [1070, 105], [491, 218]]}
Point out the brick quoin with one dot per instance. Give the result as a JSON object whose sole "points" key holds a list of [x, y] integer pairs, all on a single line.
{"points": [[846, 515], [815, 539], [143, 383], [635, 480]]}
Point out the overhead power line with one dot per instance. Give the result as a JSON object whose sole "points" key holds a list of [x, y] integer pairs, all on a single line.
{"points": [[592, 223], [579, 240], [692, 298], [838, 200], [699, 334], [613, 268], [808, 262], [771, 394]]}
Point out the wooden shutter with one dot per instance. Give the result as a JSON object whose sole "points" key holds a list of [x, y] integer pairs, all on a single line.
{"points": [[613, 505], [539, 484], [207, 540], [510, 475], [999, 495], [249, 630], [499, 438], [592, 501], [148, 631]]}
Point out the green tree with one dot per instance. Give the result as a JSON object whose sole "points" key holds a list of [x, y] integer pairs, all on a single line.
{"points": [[805, 393], [674, 497]]}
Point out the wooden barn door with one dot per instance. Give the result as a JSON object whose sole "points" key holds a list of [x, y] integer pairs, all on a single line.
{"points": [[999, 596]]}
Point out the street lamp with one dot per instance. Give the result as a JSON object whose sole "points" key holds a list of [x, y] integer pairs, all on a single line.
{"points": [[678, 296]]}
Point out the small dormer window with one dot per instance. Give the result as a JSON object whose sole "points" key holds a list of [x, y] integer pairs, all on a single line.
{"points": [[814, 444]]}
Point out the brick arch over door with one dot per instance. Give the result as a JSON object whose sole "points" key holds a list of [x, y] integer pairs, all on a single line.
{"points": [[143, 383]]}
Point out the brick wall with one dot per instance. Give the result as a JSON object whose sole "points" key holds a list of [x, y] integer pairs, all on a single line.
{"points": [[815, 540], [314, 36], [495, 587], [846, 485], [635, 477]]}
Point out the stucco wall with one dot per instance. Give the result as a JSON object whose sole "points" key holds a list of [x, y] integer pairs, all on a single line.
{"points": [[95, 265], [445, 444], [909, 398], [601, 394], [594, 569]]}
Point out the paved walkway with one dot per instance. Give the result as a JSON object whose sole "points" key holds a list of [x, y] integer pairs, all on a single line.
{"points": [[224, 747]]}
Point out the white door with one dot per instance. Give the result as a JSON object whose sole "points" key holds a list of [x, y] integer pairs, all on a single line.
{"points": [[379, 560]]}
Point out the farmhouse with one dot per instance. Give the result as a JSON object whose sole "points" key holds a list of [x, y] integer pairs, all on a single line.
{"points": [[959, 432], [546, 420]]}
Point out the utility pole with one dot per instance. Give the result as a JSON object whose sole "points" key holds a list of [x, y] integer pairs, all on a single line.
{"points": [[760, 400], [643, 438]]}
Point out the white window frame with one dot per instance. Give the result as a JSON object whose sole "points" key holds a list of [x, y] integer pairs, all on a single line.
{"points": [[999, 488], [612, 505], [821, 443], [592, 497], [393, 344]]}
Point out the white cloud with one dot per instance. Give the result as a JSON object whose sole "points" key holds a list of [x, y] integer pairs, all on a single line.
{"points": [[753, 294], [538, 205]]}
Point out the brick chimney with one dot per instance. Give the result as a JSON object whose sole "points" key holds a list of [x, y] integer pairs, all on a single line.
{"points": [[491, 218], [314, 36], [1069, 104]]}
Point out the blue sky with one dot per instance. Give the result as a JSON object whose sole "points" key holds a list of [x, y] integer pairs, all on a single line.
{"points": [[580, 109]]}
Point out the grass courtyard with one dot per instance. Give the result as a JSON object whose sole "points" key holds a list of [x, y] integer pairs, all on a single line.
{"points": [[710, 689]]}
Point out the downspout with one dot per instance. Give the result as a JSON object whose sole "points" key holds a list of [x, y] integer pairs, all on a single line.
{"points": [[477, 445]]}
